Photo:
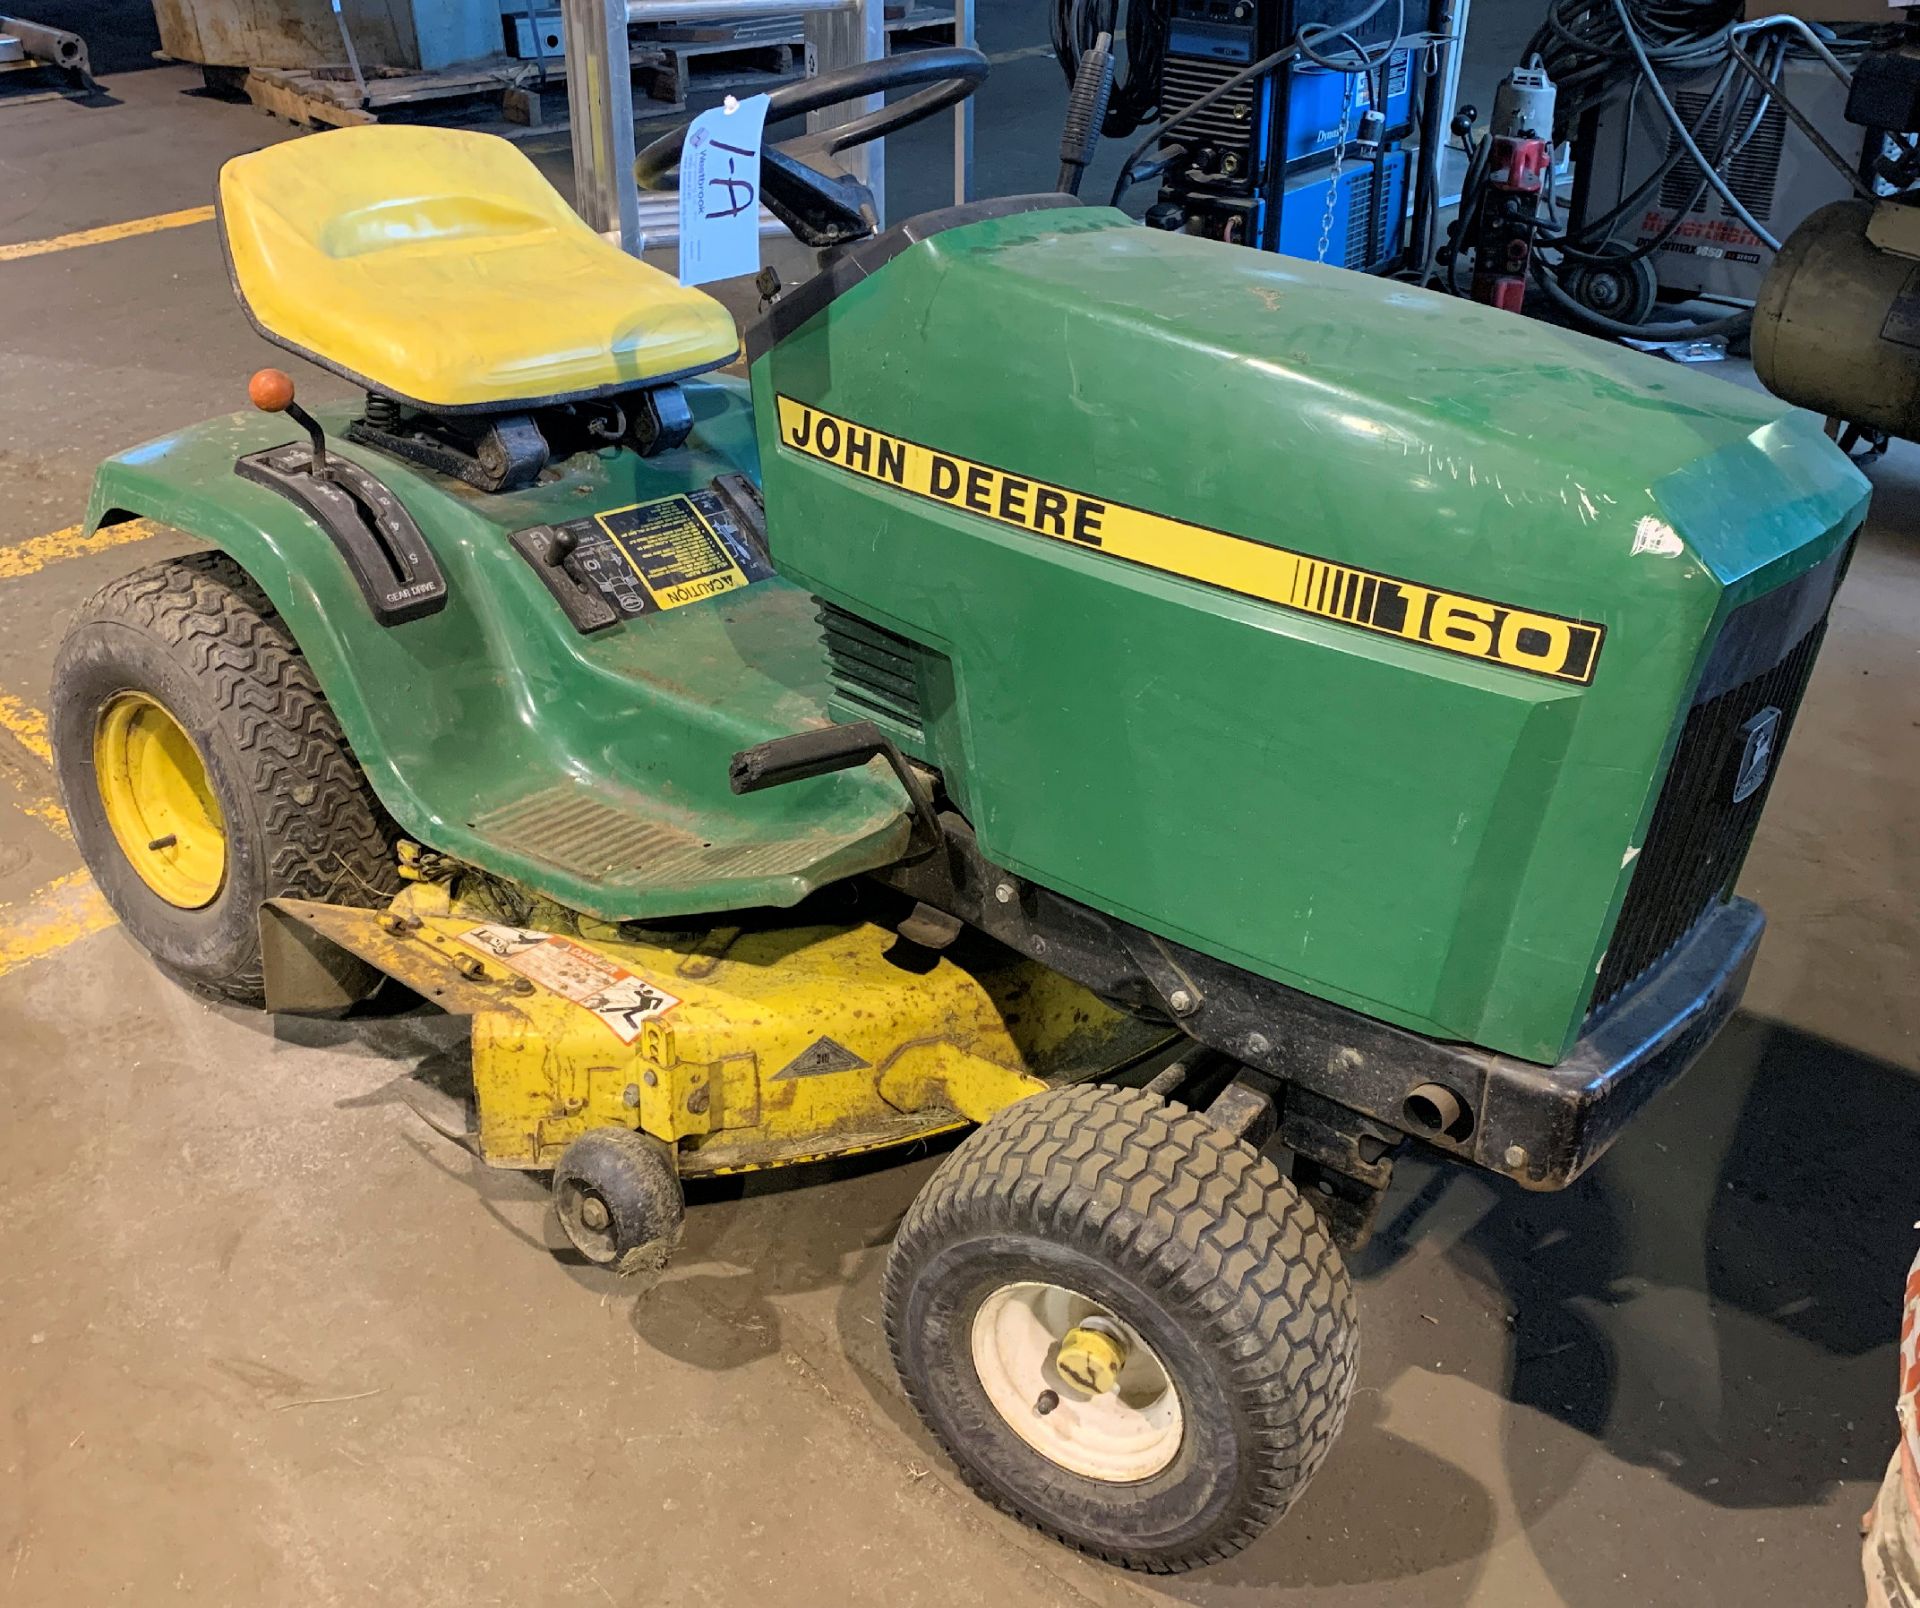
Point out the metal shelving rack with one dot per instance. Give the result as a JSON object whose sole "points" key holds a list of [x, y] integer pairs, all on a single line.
{"points": [[600, 95]]}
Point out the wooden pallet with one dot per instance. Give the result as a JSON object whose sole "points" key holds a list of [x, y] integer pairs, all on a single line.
{"points": [[328, 97], [721, 65], [712, 58]]}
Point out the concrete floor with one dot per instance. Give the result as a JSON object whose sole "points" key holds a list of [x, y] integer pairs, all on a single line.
{"points": [[264, 1339]]}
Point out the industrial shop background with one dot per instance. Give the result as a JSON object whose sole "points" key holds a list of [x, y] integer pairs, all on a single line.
{"points": [[270, 1332]]}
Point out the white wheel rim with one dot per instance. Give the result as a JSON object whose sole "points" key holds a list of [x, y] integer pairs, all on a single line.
{"points": [[1122, 1435]]}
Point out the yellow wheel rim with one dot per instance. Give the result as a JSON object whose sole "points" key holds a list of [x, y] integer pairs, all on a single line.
{"points": [[154, 789]]}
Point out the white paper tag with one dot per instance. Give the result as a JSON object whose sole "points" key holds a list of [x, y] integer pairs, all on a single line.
{"points": [[720, 192]]}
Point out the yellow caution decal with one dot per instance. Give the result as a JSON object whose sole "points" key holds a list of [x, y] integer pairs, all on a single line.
{"points": [[1521, 639], [674, 549]]}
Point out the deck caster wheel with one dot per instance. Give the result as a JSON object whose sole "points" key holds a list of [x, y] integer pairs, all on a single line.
{"points": [[1123, 1325], [617, 1195]]}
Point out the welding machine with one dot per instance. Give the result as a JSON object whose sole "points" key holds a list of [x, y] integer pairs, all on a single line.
{"points": [[1263, 163], [1357, 208], [1280, 123]]}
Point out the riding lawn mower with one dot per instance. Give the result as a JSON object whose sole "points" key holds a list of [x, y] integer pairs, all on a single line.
{"points": [[1209, 720]]}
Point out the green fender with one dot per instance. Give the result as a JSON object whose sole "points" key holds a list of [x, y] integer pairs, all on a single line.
{"points": [[591, 768]]}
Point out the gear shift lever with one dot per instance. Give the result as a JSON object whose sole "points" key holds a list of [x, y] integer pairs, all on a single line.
{"points": [[271, 391]]}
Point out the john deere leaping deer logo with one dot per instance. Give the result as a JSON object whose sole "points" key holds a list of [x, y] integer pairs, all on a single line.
{"points": [[1756, 758]]}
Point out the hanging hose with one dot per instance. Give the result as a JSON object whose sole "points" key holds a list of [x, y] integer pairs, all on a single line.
{"points": [[1684, 134]]}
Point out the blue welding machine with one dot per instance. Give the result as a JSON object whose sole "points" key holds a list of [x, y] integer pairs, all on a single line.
{"points": [[1259, 165]]}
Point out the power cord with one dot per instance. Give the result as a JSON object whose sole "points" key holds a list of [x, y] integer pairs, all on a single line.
{"points": [[1075, 25]]}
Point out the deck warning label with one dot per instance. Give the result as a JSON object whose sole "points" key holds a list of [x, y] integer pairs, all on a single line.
{"points": [[624, 1001]]}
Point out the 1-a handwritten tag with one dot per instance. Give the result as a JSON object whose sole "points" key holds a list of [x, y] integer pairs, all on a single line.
{"points": [[720, 192]]}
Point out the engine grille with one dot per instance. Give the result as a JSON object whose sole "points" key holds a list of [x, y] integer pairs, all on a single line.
{"points": [[1701, 830], [872, 670]]}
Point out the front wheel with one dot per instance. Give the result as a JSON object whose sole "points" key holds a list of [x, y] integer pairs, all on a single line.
{"points": [[1124, 1325]]}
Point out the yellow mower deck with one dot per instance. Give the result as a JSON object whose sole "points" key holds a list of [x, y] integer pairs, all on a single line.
{"points": [[742, 1047]]}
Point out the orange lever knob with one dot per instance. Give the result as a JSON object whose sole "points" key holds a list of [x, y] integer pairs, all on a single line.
{"points": [[271, 390]]}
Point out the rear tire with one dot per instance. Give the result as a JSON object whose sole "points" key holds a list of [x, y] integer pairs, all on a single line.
{"points": [[1148, 1223], [196, 637]]}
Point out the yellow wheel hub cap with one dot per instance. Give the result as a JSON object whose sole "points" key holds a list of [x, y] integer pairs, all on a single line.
{"points": [[1092, 1358], [158, 800]]}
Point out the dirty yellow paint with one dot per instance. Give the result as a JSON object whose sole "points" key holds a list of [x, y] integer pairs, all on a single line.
{"points": [[938, 1072], [37, 552], [63, 912], [786, 1045], [27, 725], [106, 233]]}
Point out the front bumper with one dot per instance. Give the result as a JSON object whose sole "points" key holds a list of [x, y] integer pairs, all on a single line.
{"points": [[1564, 1117], [1543, 1126], [1539, 1125]]}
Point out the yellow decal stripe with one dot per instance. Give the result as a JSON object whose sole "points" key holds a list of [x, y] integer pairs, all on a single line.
{"points": [[106, 233], [1473, 627]]}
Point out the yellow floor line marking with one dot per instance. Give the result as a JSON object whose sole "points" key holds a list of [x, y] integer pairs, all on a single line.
{"points": [[29, 728], [50, 815], [27, 724], [37, 552], [106, 233], [66, 910]]}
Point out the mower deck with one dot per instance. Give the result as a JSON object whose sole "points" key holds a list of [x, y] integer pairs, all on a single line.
{"points": [[743, 1047]]}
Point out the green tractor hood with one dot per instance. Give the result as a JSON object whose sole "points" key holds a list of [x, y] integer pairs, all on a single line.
{"points": [[1366, 668]]}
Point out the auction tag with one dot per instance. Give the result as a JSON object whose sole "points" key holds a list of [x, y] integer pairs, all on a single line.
{"points": [[720, 192], [617, 996]]}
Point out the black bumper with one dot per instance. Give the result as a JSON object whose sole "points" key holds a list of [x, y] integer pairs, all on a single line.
{"points": [[1544, 1125], [1539, 1125]]}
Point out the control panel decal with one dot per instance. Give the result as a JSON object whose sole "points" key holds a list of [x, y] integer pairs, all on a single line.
{"points": [[1542, 644], [662, 554]]}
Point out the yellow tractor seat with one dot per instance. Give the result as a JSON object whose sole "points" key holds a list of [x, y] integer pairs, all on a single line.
{"points": [[439, 268]]}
